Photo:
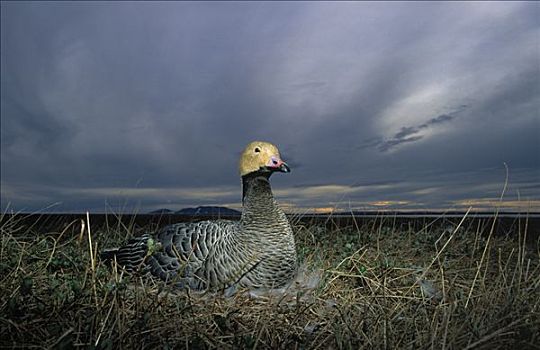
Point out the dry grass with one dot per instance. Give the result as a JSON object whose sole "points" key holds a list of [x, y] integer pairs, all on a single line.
{"points": [[382, 287]]}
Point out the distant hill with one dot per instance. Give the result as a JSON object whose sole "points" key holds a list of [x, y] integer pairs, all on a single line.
{"points": [[208, 210], [162, 211]]}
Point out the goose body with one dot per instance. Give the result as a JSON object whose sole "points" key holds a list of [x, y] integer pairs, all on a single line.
{"points": [[258, 251]]}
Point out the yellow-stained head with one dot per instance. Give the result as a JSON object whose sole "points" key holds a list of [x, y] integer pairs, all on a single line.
{"points": [[263, 157]]}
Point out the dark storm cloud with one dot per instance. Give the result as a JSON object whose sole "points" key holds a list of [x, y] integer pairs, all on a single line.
{"points": [[407, 133], [151, 103]]}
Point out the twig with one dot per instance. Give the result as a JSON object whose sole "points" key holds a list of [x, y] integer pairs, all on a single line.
{"points": [[492, 335], [92, 260], [489, 238]]}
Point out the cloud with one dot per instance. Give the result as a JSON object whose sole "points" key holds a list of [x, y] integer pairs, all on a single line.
{"points": [[490, 204], [408, 134], [148, 98], [389, 144]]}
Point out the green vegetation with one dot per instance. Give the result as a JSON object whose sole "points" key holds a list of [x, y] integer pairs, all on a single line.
{"points": [[381, 287]]}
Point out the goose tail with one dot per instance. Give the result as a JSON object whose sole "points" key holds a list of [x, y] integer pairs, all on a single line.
{"points": [[130, 256]]}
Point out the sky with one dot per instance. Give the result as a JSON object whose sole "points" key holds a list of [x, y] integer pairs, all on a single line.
{"points": [[135, 106]]}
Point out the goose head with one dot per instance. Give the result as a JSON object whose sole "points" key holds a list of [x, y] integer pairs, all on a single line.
{"points": [[261, 157]]}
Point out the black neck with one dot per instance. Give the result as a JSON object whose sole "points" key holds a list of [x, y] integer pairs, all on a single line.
{"points": [[250, 180]]}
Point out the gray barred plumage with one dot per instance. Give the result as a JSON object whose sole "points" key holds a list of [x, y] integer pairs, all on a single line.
{"points": [[258, 251]]}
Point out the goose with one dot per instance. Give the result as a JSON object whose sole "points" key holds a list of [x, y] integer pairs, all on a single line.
{"points": [[258, 251]]}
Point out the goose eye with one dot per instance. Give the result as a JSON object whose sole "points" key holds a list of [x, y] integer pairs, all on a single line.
{"points": [[257, 150]]}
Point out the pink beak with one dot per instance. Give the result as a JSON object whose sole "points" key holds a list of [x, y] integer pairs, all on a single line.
{"points": [[278, 165]]}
